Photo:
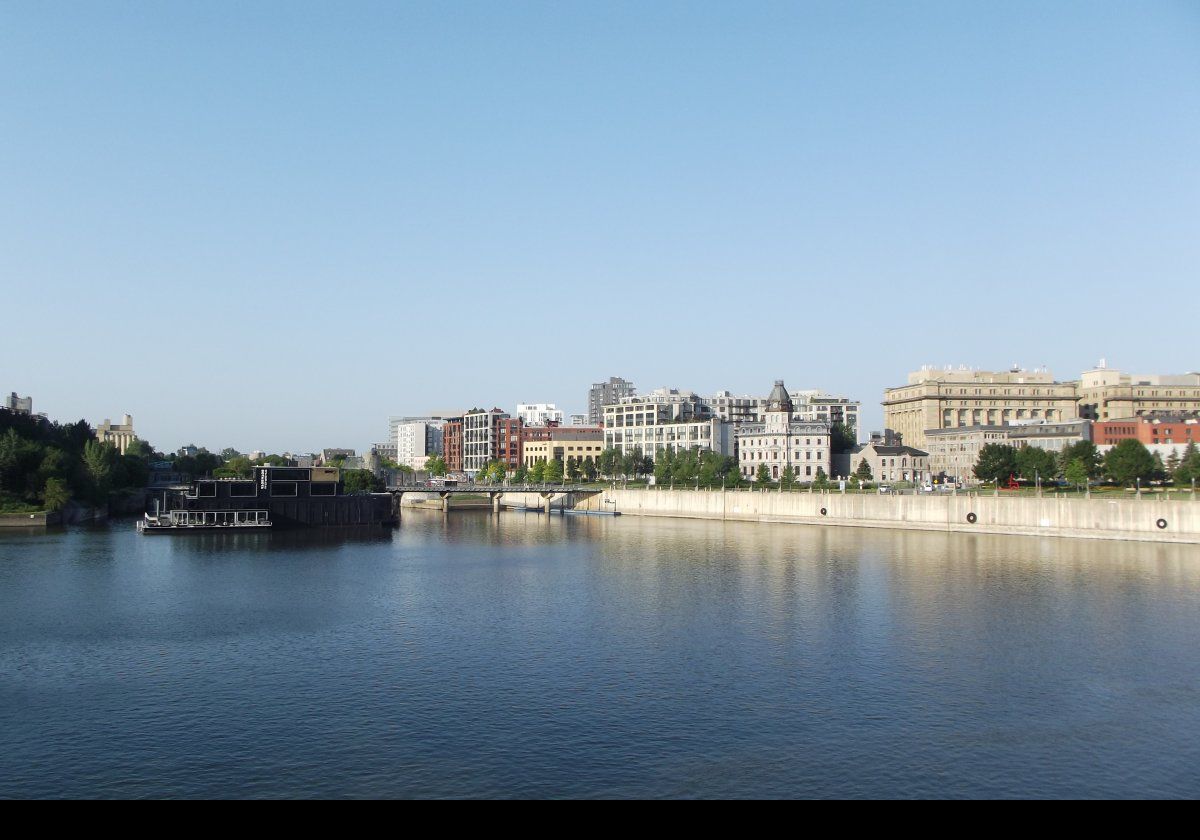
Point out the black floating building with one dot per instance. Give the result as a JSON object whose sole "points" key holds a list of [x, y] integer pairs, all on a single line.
{"points": [[293, 496]]}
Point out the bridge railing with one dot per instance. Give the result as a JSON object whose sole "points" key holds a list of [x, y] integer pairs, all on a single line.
{"points": [[492, 488]]}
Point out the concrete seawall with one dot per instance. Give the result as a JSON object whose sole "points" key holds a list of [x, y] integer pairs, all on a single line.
{"points": [[1145, 519], [29, 520]]}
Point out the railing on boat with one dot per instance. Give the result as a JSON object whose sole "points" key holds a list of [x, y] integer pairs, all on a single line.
{"points": [[206, 519]]}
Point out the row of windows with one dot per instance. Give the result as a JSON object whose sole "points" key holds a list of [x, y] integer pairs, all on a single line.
{"points": [[758, 456], [748, 472]]}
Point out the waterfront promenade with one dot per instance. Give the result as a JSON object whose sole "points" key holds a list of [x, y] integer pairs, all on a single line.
{"points": [[1142, 519]]}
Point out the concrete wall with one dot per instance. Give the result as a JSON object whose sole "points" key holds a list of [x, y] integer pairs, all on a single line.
{"points": [[1097, 518], [29, 520]]}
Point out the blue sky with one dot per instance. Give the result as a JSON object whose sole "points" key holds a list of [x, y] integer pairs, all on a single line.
{"points": [[272, 225]]}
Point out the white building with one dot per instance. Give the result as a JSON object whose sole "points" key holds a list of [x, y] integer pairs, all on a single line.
{"points": [[819, 407], [781, 441], [539, 414], [416, 440], [733, 409], [666, 418]]}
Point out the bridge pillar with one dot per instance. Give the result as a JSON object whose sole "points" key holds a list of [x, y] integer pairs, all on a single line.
{"points": [[399, 497], [496, 502], [546, 499], [445, 502]]}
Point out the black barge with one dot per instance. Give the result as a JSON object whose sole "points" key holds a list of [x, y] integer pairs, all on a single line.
{"points": [[291, 497]]}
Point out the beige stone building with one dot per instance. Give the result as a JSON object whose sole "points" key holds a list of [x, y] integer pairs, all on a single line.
{"points": [[1106, 394], [119, 435], [890, 460], [561, 443], [947, 399], [956, 451]]}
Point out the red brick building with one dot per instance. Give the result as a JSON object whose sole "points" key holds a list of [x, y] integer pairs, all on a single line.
{"points": [[1175, 429], [508, 442], [452, 444]]}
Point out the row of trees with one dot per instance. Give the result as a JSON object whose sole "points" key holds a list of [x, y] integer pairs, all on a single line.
{"points": [[1125, 464], [44, 465], [694, 467]]}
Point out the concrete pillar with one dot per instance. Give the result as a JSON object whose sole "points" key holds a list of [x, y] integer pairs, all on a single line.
{"points": [[496, 502], [546, 498], [445, 502]]}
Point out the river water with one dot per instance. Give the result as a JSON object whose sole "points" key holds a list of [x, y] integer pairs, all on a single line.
{"points": [[529, 656]]}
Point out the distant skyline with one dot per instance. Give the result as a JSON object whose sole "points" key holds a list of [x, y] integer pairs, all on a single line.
{"points": [[275, 225]]}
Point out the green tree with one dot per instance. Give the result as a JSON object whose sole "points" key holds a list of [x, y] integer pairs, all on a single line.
{"points": [[841, 438], [573, 471], [138, 448], [1033, 462], [499, 472], [1077, 473], [521, 476], [820, 480], [864, 471], [788, 478], [98, 460], [633, 464], [554, 471], [608, 462], [537, 473], [1129, 461], [996, 462], [240, 466], [55, 495], [589, 470], [686, 467], [1189, 466], [1083, 451], [763, 477], [361, 481], [436, 465], [1159, 472], [664, 463]]}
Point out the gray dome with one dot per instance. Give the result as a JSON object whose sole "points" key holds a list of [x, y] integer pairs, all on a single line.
{"points": [[779, 399]]}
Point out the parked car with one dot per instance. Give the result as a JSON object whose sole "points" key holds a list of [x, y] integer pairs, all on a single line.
{"points": [[885, 489]]}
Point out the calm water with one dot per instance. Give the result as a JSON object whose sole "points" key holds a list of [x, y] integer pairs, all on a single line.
{"points": [[596, 657]]}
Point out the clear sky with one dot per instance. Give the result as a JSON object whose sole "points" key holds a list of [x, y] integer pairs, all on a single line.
{"points": [[272, 225]]}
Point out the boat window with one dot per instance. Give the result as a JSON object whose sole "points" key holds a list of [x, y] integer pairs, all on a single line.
{"points": [[283, 488], [243, 489], [323, 488], [206, 490]]}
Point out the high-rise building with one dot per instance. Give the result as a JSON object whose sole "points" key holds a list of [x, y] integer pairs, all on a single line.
{"points": [[489, 436], [606, 393], [452, 444], [416, 439]]}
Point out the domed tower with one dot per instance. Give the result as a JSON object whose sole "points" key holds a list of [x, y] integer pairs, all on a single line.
{"points": [[779, 409]]}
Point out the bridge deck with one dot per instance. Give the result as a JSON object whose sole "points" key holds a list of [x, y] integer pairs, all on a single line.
{"points": [[477, 489]]}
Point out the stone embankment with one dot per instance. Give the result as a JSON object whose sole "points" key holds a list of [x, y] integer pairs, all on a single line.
{"points": [[1144, 519]]}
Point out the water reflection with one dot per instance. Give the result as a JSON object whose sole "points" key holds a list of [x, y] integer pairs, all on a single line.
{"points": [[470, 654]]}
